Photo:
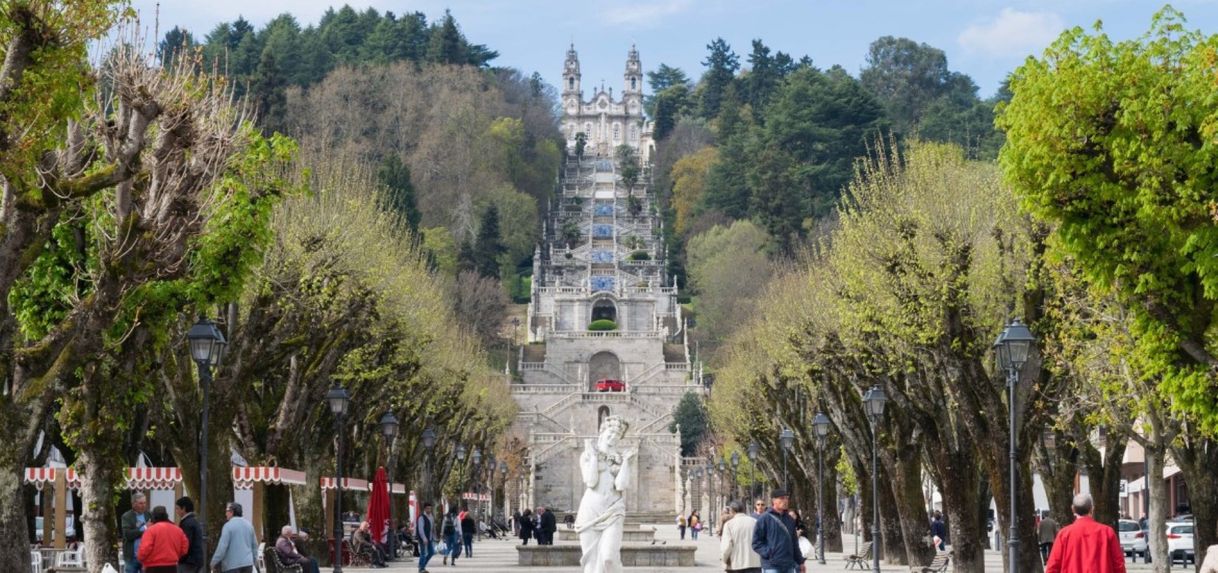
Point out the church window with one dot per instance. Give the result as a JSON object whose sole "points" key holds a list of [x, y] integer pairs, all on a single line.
{"points": [[633, 82], [570, 83], [617, 132]]}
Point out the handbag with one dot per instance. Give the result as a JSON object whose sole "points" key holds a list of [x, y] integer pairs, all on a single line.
{"points": [[441, 548]]}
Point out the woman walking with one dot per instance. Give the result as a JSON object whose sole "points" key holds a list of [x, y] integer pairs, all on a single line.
{"points": [[526, 526], [695, 525], [162, 544]]}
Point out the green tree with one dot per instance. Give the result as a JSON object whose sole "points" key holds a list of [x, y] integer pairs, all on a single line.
{"points": [[488, 247], [628, 167], [1112, 144], [721, 65], [176, 41], [581, 142], [267, 93], [691, 418], [660, 79], [447, 45], [395, 175]]}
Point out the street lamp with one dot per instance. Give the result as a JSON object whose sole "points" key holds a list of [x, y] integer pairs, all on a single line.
{"points": [[753, 449], [339, 400], [429, 442], [503, 480], [787, 439], [1012, 348], [873, 403], [207, 345], [476, 457], [698, 480], [821, 424], [389, 429], [735, 472]]}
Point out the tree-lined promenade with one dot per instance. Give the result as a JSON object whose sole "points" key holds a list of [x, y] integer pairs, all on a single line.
{"points": [[1096, 227], [836, 256]]}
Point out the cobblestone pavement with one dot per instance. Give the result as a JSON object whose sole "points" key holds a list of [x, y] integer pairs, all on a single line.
{"points": [[499, 556]]}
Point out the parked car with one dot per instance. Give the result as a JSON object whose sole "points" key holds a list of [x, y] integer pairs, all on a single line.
{"points": [[1180, 542], [610, 385], [1133, 541]]}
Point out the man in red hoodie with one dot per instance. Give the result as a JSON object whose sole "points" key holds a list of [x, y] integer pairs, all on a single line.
{"points": [[1086, 546]]}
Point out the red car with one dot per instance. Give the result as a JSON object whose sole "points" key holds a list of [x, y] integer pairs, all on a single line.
{"points": [[610, 385]]}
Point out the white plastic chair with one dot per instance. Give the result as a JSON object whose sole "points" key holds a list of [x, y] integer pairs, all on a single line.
{"points": [[35, 562], [69, 559], [260, 558]]}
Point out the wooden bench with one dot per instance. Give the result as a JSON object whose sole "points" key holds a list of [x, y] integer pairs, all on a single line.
{"points": [[861, 559], [938, 564], [270, 559]]}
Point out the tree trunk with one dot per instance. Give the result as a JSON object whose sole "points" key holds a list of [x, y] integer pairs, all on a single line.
{"points": [[833, 520], [892, 544], [14, 532], [1159, 500], [960, 491], [98, 478], [1198, 461], [911, 507]]}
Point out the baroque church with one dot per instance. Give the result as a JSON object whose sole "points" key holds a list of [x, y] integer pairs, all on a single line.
{"points": [[602, 260]]}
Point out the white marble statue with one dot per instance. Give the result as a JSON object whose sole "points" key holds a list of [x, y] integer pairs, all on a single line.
{"points": [[602, 511]]}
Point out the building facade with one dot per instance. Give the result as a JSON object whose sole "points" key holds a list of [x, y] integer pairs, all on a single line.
{"points": [[605, 122], [602, 259]]}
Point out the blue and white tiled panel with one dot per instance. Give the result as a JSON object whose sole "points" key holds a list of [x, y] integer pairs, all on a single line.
{"points": [[602, 256], [601, 284], [602, 231]]}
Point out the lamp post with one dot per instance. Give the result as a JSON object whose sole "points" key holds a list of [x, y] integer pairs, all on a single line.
{"points": [[1012, 349], [476, 457], [389, 429], [736, 473], [207, 346], [753, 448], [429, 442], [821, 424], [713, 511], [698, 480], [787, 439], [874, 402], [339, 400], [503, 469]]}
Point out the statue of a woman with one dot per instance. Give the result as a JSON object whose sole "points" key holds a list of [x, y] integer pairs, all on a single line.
{"points": [[602, 511]]}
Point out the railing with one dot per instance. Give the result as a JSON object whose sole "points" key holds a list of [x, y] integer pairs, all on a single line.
{"points": [[665, 389], [562, 290], [652, 425], [532, 366], [549, 451], [538, 416], [543, 388], [676, 366], [577, 334], [561, 403]]}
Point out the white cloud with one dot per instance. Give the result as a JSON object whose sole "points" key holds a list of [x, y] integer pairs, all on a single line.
{"points": [[638, 14], [1012, 33]]}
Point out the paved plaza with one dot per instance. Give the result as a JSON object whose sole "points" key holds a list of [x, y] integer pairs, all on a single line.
{"points": [[496, 556]]}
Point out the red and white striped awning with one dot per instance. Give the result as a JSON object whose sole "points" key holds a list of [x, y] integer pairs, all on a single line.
{"points": [[245, 478], [349, 484], [39, 477], [153, 478], [137, 478]]}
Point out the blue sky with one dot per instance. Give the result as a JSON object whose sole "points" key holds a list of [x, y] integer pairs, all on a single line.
{"points": [[983, 38]]}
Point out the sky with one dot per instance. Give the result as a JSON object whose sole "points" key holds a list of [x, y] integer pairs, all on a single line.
{"points": [[985, 39]]}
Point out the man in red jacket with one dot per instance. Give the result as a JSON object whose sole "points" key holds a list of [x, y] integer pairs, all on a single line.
{"points": [[1086, 546]]}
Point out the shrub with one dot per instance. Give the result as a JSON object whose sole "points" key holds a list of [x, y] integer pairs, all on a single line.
{"points": [[602, 324], [639, 256]]}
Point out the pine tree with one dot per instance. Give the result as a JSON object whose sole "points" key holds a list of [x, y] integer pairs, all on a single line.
{"points": [[401, 199], [268, 93], [721, 64], [489, 245], [447, 45]]}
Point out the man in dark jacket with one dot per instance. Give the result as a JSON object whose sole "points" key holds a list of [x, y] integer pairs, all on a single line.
{"points": [[133, 523], [774, 537], [192, 562], [549, 524]]}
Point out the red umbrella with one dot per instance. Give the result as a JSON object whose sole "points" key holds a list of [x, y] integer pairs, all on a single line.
{"points": [[378, 505]]}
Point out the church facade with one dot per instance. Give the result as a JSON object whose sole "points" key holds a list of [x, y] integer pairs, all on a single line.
{"points": [[606, 122], [602, 261]]}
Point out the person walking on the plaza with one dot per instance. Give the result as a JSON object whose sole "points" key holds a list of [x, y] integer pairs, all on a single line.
{"points": [[236, 550], [133, 524], [162, 544], [468, 528], [736, 543], [285, 549], [938, 531], [1086, 546], [451, 530], [516, 523], [681, 525], [758, 508], [549, 524], [695, 525], [526, 526], [192, 562], [1046, 532], [724, 515], [424, 531], [774, 537]]}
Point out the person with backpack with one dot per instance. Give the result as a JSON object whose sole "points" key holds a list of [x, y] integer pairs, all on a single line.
{"points": [[774, 537], [681, 525], [450, 528]]}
